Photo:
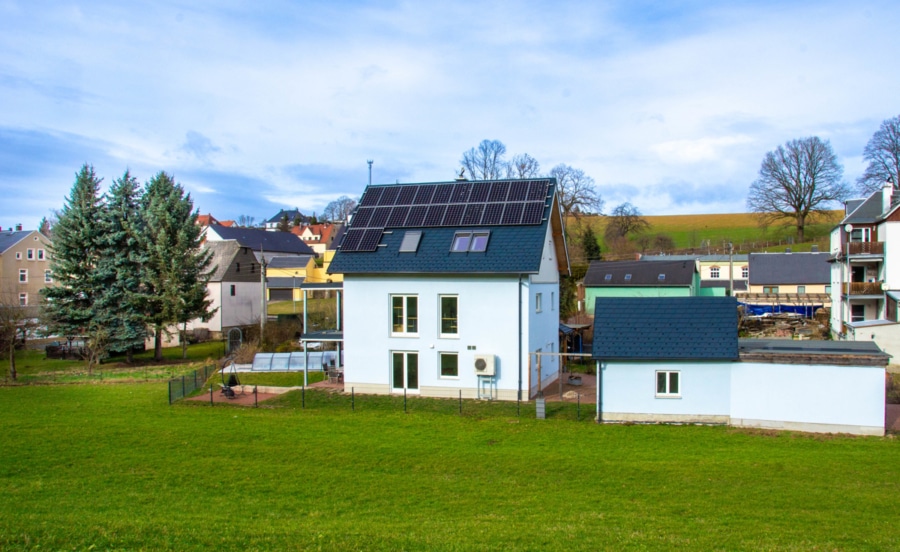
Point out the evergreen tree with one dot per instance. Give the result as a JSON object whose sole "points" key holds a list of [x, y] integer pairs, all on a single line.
{"points": [[119, 268], [589, 244], [176, 268], [284, 225], [70, 309]]}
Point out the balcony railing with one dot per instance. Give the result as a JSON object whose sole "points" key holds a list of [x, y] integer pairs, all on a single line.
{"points": [[865, 248], [863, 288]]}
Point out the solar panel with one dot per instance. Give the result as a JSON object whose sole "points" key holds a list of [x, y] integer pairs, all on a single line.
{"points": [[397, 218], [499, 191], [389, 196], [435, 215], [371, 197], [407, 194], [473, 214], [423, 196], [370, 239], [480, 191], [512, 214], [351, 240], [461, 192], [442, 193], [416, 216], [518, 191], [537, 190], [379, 217], [534, 212], [362, 217], [454, 215], [492, 213]]}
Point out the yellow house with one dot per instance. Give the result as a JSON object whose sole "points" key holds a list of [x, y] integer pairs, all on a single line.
{"points": [[284, 275]]}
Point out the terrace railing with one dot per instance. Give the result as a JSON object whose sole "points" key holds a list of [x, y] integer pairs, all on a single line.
{"points": [[863, 288], [864, 248]]}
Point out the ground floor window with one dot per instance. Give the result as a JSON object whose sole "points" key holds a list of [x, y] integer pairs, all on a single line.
{"points": [[770, 289], [668, 384], [23, 299], [404, 370], [449, 365]]}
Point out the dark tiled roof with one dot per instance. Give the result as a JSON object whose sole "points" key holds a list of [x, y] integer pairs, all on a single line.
{"points": [[867, 211], [789, 268], [223, 253], [672, 328], [291, 215], [283, 282], [270, 242], [10, 238], [739, 285], [294, 261], [511, 249], [678, 273], [715, 258]]}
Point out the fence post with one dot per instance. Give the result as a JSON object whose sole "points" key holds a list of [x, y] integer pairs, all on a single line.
{"points": [[255, 398], [579, 407], [303, 398], [170, 392], [210, 396], [460, 402], [404, 400], [352, 399], [182, 387]]}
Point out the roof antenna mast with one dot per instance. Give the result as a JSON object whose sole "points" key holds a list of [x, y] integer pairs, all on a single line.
{"points": [[370, 161]]}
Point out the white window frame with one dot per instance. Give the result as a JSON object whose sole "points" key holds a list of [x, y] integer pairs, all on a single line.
{"points": [[538, 302], [745, 272], [29, 254], [664, 391], [801, 289], [41, 255], [23, 299], [715, 272], [18, 255], [404, 315], [441, 333], [48, 276], [440, 365], [23, 275]]}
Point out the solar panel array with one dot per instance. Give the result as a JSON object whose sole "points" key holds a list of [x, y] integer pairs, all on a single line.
{"points": [[508, 203]]}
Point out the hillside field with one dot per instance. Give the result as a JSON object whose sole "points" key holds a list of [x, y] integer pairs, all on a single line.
{"points": [[712, 233]]}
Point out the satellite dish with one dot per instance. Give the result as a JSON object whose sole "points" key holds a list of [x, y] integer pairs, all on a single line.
{"points": [[848, 228]]}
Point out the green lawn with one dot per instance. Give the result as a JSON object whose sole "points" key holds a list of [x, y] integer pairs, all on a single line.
{"points": [[114, 467]]}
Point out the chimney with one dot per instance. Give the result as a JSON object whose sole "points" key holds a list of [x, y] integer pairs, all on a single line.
{"points": [[19, 227], [887, 191]]}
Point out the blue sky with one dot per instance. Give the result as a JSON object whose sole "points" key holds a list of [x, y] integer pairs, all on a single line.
{"points": [[258, 106]]}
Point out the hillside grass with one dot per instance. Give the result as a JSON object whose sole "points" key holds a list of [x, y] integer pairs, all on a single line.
{"points": [[114, 467], [714, 232]]}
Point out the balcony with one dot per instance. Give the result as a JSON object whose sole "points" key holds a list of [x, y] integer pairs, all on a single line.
{"points": [[863, 288], [864, 248]]}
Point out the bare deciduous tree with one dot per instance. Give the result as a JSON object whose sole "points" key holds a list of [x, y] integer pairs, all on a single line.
{"points": [[883, 154], [246, 221], [14, 320], [485, 162], [523, 166], [339, 209], [797, 182], [575, 190], [625, 219]]}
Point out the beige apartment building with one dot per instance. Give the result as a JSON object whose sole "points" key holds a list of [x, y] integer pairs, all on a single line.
{"points": [[24, 266]]}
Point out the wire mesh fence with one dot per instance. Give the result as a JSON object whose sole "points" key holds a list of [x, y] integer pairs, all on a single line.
{"points": [[183, 386]]}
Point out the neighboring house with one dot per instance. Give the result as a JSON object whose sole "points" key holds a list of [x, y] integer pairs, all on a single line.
{"points": [[284, 275], [715, 271], [291, 214], [262, 243], [679, 360], [448, 288], [319, 237], [679, 278], [24, 266], [235, 288], [865, 274], [788, 282], [207, 220]]}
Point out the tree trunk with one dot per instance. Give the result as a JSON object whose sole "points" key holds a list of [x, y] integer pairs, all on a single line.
{"points": [[184, 340], [12, 362], [801, 223], [129, 355], [157, 344]]}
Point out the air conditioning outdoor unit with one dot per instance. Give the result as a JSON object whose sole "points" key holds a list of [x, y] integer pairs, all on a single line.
{"points": [[484, 365]]}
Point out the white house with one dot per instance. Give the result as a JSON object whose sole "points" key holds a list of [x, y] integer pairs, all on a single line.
{"points": [[865, 274], [449, 286], [679, 360]]}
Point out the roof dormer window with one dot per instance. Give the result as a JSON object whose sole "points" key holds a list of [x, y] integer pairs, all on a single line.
{"points": [[470, 241], [608, 277]]}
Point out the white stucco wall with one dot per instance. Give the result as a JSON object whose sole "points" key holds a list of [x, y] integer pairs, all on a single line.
{"points": [[889, 233], [241, 310], [488, 324], [847, 399], [542, 329], [886, 336], [629, 392]]}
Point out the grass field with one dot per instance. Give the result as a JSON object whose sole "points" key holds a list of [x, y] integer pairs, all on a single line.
{"points": [[114, 467], [712, 232]]}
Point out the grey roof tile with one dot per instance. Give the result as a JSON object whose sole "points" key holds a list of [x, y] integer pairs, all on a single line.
{"points": [[789, 269], [678, 273], [673, 328], [270, 242]]}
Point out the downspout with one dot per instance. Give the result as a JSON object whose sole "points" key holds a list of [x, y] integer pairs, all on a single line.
{"points": [[599, 367], [519, 392]]}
